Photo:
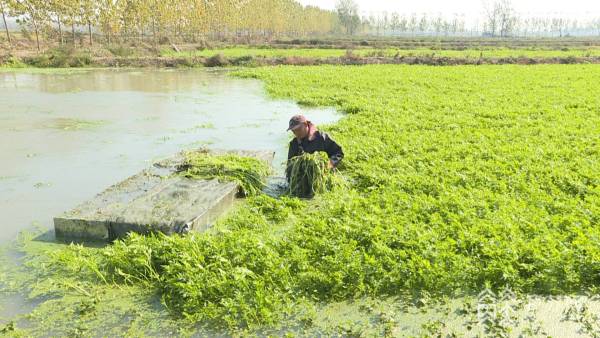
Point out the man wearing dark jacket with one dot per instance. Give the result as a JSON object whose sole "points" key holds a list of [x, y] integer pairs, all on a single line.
{"points": [[308, 140]]}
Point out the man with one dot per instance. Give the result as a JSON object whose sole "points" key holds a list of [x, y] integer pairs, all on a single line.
{"points": [[308, 139]]}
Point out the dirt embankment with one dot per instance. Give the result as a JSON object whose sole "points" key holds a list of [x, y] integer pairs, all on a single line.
{"points": [[23, 53], [249, 61]]}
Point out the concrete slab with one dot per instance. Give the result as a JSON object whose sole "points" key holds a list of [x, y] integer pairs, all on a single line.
{"points": [[153, 200]]}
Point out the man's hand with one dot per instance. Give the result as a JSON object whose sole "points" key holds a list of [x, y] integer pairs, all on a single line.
{"points": [[330, 165]]}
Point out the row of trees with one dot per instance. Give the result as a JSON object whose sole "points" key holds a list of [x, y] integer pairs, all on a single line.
{"points": [[192, 20], [502, 20], [179, 19], [499, 19], [503, 26], [396, 23], [552, 26]]}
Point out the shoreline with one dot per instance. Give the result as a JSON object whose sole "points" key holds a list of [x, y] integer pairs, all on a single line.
{"points": [[251, 61]]}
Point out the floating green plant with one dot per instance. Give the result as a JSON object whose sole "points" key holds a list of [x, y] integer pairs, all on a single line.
{"points": [[462, 178], [72, 124], [248, 172]]}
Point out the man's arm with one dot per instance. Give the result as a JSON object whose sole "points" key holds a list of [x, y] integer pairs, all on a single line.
{"points": [[333, 150], [292, 151]]}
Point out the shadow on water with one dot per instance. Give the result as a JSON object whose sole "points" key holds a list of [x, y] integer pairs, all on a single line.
{"points": [[276, 186], [49, 237]]}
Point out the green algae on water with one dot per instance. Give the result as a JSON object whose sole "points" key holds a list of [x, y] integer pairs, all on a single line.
{"points": [[73, 124], [68, 294]]}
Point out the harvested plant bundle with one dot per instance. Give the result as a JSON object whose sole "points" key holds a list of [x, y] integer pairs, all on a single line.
{"points": [[308, 174], [248, 172]]}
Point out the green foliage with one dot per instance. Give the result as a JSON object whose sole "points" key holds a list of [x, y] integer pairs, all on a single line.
{"points": [[10, 327], [60, 57], [248, 172], [217, 60], [121, 50], [70, 295], [236, 276], [307, 175], [73, 124], [12, 62], [171, 20], [239, 279], [462, 175], [460, 181], [274, 210], [462, 178]]}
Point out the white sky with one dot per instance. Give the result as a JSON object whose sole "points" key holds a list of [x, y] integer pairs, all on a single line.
{"points": [[472, 9]]}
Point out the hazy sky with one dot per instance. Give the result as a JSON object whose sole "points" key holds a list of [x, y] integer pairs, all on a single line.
{"points": [[580, 9]]}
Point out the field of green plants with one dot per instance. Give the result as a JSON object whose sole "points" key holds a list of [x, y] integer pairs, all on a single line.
{"points": [[387, 52], [460, 178]]}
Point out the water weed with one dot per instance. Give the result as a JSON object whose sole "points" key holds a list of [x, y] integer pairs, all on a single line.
{"points": [[460, 178], [248, 172], [307, 175]]}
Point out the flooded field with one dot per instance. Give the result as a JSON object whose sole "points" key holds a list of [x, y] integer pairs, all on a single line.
{"points": [[67, 135]]}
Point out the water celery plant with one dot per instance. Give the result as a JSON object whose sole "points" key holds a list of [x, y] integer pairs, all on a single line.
{"points": [[462, 178], [248, 172], [307, 174]]}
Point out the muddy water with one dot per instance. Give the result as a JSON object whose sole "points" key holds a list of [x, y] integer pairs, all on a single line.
{"points": [[65, 136]]}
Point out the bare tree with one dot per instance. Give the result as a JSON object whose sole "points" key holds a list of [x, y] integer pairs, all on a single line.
{"points": [[2, 5], [57, 8], [525, 26], [560, 25], [384, 22], [574, 26], [596, 25], [454, 25], [438, 24], [500, 18], [88, 15], [423, 24], [347, 11], [412, 23], [491, 18], [546, 26], [508, 17], [394, 22], [33, 14], [403, 24]]}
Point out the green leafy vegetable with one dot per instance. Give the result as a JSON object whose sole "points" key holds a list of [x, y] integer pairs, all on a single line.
{"points": [[248, 172]]}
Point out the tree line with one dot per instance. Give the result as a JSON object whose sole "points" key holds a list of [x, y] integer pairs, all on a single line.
{"points": [[499, 19], [162, 20], [501, 26]]}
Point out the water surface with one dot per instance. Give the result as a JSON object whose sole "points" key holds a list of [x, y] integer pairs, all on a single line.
{"points": [[65, 136]]}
